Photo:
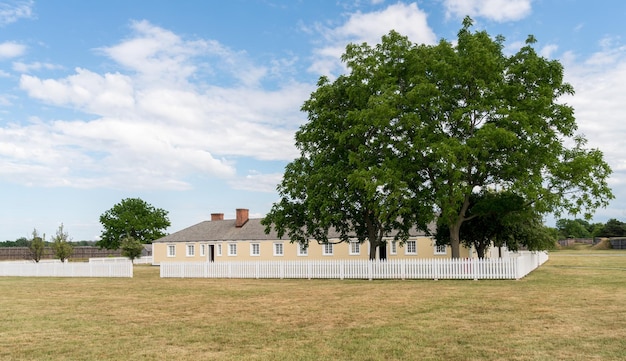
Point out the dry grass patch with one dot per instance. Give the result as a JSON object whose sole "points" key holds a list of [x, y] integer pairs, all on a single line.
{"points": [[570, 308]]}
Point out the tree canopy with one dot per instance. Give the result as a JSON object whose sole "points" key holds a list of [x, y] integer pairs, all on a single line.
{"points": [[37, 246], [347, 178], [413, 131], [131, 248], [135, 218], [574, 228], [613, 228], [61, 244]]}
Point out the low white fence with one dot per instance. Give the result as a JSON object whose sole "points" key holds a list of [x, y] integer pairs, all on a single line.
{"points": [[67, 269], [140, 260], [514, 267]]}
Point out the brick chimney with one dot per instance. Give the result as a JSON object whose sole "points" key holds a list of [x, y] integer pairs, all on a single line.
{"points": [[242, 217], [217, 216]]}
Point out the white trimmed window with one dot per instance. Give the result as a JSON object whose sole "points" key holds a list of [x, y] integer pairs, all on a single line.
{"points": [[327, 249], [191, 250], [278, 249], [440, 249], [355, 248], [171, 250], [232, 249], [255, 249], [203, 250], [410, 247], [393, 247], [303, 249], [219, 249]]}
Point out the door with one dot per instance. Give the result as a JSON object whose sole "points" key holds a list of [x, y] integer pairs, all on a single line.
{"points": [[211, 253]]}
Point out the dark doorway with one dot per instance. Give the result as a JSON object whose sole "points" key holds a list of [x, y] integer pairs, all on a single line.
{"points": [[211, 253]]}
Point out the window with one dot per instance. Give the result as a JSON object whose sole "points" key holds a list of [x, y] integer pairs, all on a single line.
{"points": [[328, 249], [191, 250], [232, 249], [303, 249], [355, 248], [203, 250], [411, 247], [394, 247], [440, 249], [255, 249], [219, 249], [278, 249], [171, 250]]}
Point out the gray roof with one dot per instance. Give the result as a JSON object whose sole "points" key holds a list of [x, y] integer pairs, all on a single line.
{"points": [[225, 230]]}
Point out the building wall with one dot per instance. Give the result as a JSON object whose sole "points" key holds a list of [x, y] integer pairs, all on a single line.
{"points": [[424, 247]]}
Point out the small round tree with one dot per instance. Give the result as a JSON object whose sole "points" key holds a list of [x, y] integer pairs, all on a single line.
{"points": [[135, 218], [131, 248]]}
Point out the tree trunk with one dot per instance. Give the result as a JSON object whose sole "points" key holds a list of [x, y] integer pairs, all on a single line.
{"points": [[455, 239], [373, 249], [481, 251]]}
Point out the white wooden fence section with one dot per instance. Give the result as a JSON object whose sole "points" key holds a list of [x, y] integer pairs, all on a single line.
{"points": [[140, 260], [67, 269], [515, 267]]}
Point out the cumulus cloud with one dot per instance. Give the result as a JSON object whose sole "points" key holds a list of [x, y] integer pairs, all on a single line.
{"points": [[12, 12], [10, 49], [497, 10], [407, 19], [600, 83], [158, 120]]}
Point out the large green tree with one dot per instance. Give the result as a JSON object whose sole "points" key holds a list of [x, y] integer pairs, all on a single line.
{"points": [[135, 218], [412, 131], [347, 178], [477, 118], [61, 244]]}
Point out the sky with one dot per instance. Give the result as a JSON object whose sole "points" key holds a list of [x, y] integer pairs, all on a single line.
{"points": [[192, 106]]}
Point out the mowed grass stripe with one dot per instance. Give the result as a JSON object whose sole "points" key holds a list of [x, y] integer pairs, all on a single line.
{"points": [[570, 308]]}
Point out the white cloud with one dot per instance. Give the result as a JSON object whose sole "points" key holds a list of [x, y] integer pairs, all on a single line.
{"points": [[10, 49], [548, 51], [497, 10], [35, 66], [407, 19], [10, 13], [257, 182], [157, 121], [600, 84]]}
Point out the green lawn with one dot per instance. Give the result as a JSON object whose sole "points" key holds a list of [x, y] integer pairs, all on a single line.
{"points": [[571, 308]]}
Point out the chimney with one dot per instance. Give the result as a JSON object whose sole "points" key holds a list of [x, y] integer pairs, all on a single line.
{"points": [[217, 216], [242, 217]]}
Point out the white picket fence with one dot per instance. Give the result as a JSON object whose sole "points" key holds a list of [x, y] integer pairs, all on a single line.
{"points": [[140, 260], [67, 269], [515, 267]]}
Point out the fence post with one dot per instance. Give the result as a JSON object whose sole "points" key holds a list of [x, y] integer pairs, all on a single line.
{"points": [[474, 268]]}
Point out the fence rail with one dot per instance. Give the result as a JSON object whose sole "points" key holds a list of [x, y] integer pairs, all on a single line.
{"points": [[67, 269], [514, 267]]}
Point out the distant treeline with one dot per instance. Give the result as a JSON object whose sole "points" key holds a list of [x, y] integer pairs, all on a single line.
{"points": [[25, 242], [78, 252]]}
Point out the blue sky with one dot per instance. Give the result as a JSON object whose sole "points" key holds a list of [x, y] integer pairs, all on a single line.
{"points": [[192, 105]]}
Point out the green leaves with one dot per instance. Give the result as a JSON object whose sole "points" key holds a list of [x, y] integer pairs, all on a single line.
{"points": [[60, 244], [135, 218], [413, 130]]}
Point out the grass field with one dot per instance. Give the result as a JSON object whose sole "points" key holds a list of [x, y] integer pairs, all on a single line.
{"points": [[571, 308]]}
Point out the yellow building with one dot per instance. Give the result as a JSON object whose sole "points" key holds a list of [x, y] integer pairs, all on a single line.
{"points": [[244, 239]]}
